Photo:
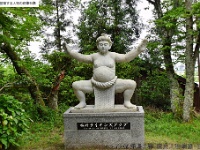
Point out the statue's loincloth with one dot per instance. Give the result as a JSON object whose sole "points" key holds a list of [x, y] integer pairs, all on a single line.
{"points": [[104, 85]]}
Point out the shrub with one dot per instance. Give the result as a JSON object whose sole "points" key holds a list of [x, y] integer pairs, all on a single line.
{"points": [[13, 121], [154, 91]]}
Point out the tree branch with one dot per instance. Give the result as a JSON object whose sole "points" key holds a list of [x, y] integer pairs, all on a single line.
{"points": [[197, 46], [151, 2], [21, 70], [196, 49], [7, 85]]}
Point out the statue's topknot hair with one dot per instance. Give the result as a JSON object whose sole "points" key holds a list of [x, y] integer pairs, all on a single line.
{"points": [[104, 37]]}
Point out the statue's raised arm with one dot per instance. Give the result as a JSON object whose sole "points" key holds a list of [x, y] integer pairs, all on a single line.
{"points": [[76, 55], [131, 54], [104, 75]]}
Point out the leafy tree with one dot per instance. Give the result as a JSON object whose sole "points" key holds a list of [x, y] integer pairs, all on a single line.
{"points": [[59, 20], [171, 19], [61, 64], [115, 17], [13, 121], [18, 28], [166, 29], [154, 90], [191, 54], [119, 19]]}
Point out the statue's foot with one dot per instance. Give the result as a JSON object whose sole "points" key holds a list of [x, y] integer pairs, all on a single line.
{"points": [[129, 105], [80, 105]]}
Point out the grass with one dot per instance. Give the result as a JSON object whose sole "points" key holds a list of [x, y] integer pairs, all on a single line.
{"points": [[160, 128], [43, 136]]}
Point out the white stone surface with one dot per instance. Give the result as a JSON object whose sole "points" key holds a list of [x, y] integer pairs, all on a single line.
{"points": [[104, 98], [132, 137], [92, 109], [104, 75]]}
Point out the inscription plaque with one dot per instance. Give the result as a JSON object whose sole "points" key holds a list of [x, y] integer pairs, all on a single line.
{"points": [[104, 126]]}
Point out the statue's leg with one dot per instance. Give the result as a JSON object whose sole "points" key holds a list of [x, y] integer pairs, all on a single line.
{"points": [[80, 88], [127, 87]]}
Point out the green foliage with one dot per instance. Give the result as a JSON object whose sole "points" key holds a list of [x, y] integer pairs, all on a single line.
{"points": [[41, 72], [6, 74], [59, 61], [154, 90], [60, 20], [163, 127], [130, 70], [66, 95], [74, 71], [114, 17], [13, 121], [78, 71], [196, 13], [169, 18], [153, 57], [13, 84], [47, 132], [83, 69], [37, 112], [160, 128], [19, 25], [196, 10], [152, 82]]}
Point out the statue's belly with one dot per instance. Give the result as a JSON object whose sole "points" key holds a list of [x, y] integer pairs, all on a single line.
{"points": [[103, 74]]}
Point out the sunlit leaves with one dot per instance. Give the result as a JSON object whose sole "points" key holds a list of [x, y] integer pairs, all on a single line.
{"points": [[13, 121], [19, 25]]}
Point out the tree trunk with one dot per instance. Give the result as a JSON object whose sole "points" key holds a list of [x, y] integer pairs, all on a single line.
{"points": [[175, 92], [175, 95], [21, 70], [189, 62], [53, 96], [166, 35], [197, 56], [58, 28]]}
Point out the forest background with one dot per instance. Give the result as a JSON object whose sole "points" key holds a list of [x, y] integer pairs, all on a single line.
{"points": [[33, 89]]}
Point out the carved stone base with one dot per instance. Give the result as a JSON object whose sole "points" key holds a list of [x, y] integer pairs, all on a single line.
{"points": [[116, 130], [104, 98], [93, 109]]}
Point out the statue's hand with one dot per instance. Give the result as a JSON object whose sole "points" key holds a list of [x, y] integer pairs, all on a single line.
{"points": [[143, 45], [66, 47]]}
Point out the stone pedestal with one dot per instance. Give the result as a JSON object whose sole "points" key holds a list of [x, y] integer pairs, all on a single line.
{"points": [[104, 98], [102, 128]]}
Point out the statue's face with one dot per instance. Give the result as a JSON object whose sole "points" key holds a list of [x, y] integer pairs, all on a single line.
{"points": [[103, 46]]}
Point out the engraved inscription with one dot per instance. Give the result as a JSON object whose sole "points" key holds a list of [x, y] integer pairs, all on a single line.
{"points": [[104, 126]]}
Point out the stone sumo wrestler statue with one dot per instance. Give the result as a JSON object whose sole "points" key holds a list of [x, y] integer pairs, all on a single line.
{"points": [[104, 76]]}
